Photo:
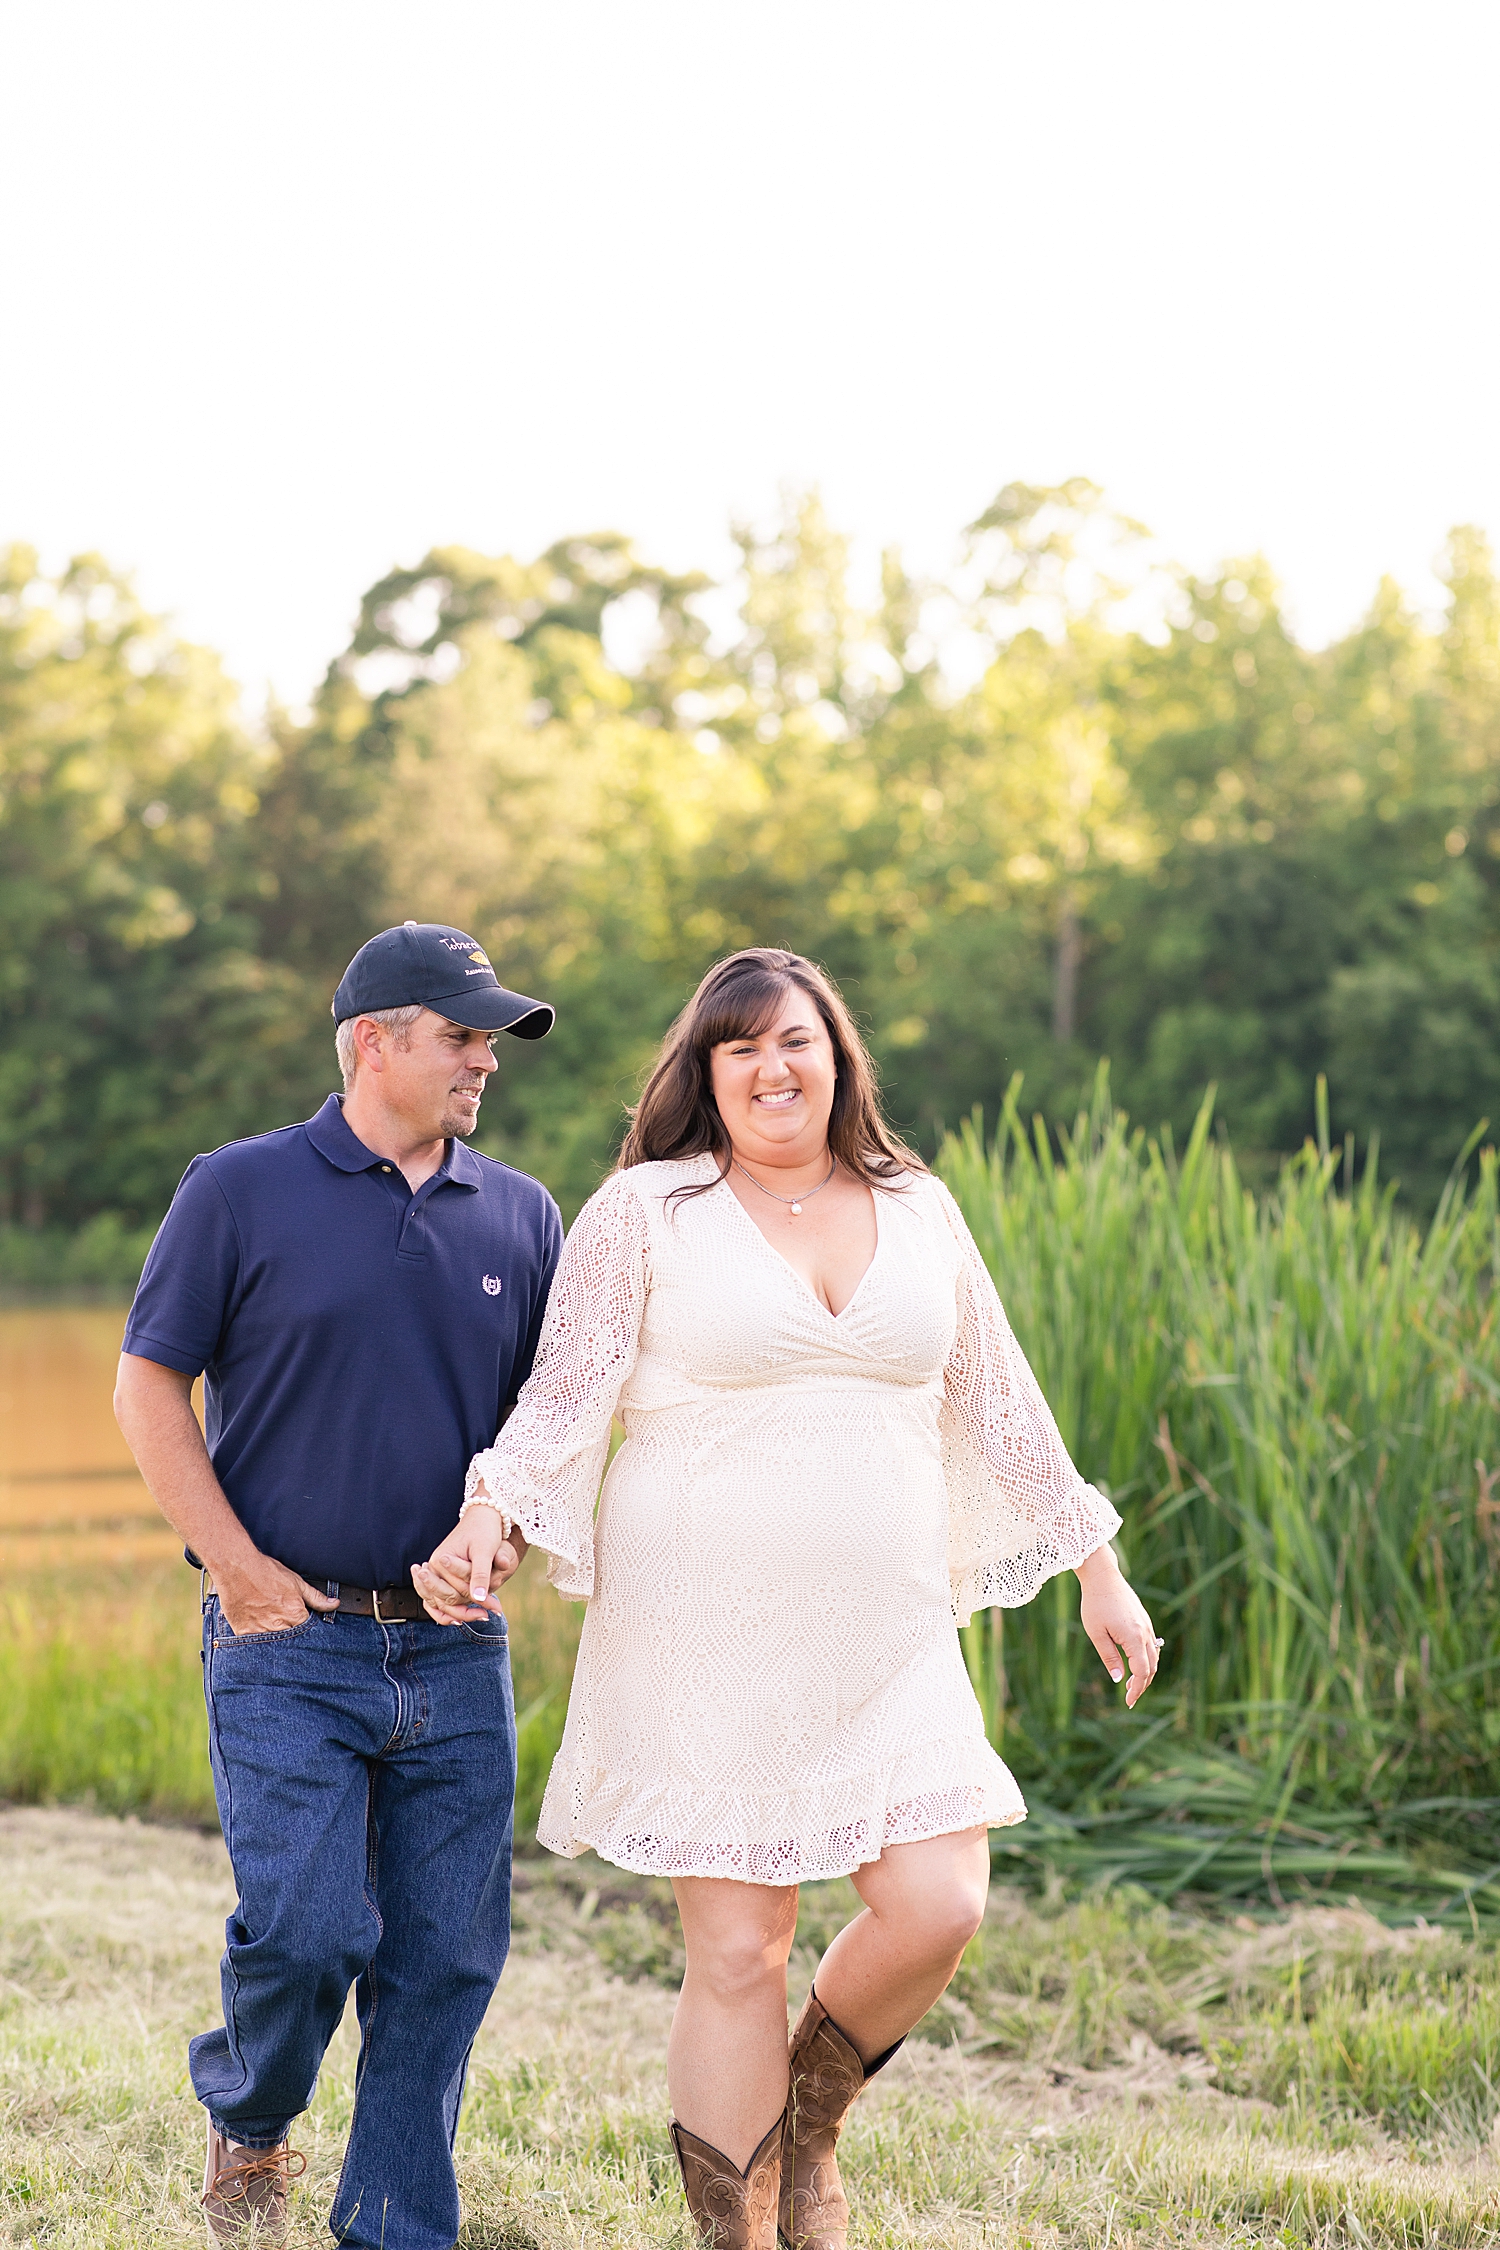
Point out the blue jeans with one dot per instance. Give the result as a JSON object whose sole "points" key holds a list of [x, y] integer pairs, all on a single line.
{"points": [[365, 1775]]}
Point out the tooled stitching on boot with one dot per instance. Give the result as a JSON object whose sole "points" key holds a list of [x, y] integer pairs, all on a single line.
{"points": [[827, 2078], [732, 2210]]}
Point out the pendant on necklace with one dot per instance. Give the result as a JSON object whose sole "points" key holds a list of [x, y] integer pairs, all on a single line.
{"points": [[796, 1210]]}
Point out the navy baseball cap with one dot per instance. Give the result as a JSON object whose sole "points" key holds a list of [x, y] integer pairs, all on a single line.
{"points": [[430, 965]]}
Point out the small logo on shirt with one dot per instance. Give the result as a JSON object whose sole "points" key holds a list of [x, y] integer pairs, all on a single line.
{"points": [[491, 1284]]}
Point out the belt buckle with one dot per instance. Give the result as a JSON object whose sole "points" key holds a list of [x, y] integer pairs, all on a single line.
{"points": [[375, 1608]]}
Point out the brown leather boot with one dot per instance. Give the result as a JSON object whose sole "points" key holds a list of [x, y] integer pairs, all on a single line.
{"points": [[244, 2191], [827, 2079], [732, 2210]]}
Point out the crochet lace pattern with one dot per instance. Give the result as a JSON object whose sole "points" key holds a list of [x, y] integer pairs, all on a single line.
{"points": [[770, 1684]]}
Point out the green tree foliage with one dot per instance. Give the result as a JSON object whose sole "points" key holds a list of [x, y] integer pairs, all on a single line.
{"points": [[1153, 828], [143, 1014]]}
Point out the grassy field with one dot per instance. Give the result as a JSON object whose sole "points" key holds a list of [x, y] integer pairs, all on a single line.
{"points": [[1105, 2074]]}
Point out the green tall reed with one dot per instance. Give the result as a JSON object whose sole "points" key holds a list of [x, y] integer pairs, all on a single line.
{"points": [[1294, 1399], [105, 1710]]}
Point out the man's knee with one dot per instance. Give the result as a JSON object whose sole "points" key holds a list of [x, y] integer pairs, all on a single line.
{"points": [[300, 1942]]}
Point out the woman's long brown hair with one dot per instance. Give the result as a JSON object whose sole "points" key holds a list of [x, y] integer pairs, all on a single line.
{"points": [[677, 1115]]}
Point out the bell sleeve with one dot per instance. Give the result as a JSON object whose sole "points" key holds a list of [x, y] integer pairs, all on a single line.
{"points": [[1018, 1510], [544, 1467]]}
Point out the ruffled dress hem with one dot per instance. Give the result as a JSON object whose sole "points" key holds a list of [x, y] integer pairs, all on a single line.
{"points": [[632, 1845]]}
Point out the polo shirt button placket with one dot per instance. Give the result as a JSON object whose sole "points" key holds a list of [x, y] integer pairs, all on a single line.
{"points": [[411, 1241]]}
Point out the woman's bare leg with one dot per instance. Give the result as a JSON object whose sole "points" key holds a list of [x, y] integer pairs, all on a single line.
{"points": [[923, 1903], [726, 2058]]}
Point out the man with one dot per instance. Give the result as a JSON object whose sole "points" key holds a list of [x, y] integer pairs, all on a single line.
{"points": [[363, 1296]]}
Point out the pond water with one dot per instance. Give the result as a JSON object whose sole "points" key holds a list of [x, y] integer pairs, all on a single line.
{"points": [[62, 1458], [74, 1509], [81, 1538]]}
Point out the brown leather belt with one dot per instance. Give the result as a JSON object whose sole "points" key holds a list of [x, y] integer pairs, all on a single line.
{"points": [[391, 1604]]}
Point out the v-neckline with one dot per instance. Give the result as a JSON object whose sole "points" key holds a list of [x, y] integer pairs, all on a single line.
{"points": [[800, 1278]]}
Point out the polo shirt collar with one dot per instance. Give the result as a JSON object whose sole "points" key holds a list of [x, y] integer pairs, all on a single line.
{"points": [[463, 1166], [332, 1137]]}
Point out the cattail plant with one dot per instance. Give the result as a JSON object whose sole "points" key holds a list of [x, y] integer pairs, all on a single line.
{"points": [[1294, 1399]]}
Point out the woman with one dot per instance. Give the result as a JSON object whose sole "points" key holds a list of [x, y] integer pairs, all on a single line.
{"points": [[834, 1452]]}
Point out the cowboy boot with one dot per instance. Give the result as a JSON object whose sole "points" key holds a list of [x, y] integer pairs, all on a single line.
{"points": [[827, 2079], [732, 2210], [244, 2190]]}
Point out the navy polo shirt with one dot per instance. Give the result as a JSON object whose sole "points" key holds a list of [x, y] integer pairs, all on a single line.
{"points": [[358, 1343]]}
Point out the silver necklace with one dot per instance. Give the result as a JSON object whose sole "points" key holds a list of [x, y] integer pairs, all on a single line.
{"points": [[795, 1202]]}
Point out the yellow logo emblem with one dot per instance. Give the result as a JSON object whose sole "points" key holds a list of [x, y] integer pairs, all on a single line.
{"points": [[481, 957]]}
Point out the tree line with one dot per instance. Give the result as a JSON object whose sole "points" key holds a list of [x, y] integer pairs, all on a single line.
{"points": [[1070, 803]]}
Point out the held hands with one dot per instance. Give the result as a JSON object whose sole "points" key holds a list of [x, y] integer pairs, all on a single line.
{"points": [[458, 1585], [1116, 1622]]}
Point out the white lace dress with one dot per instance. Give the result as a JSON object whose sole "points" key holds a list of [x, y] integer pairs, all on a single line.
{"points": [[770, 1684]]}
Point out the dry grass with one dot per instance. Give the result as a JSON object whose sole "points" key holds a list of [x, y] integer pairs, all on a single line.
{"points": [[1067, 2094]]}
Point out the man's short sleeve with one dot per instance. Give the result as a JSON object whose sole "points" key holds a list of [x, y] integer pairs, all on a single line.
{"points": [[190, 1279]]}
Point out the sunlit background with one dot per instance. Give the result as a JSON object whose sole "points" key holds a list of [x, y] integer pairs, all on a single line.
{"points": [[295, 293], [339, 327]]}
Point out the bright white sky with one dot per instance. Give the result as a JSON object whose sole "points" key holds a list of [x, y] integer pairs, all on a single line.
{"points": [[293, 292]]}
